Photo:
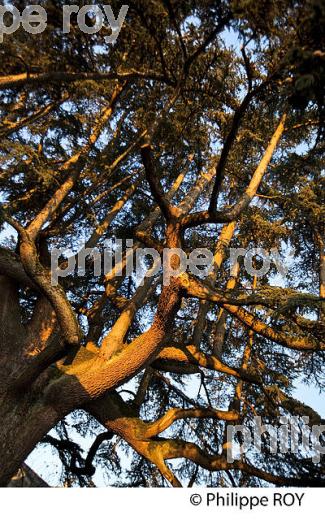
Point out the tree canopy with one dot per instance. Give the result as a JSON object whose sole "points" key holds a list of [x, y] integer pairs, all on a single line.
{"points": [[201, 127]]}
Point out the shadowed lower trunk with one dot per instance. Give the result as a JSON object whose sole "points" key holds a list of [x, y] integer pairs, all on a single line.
{"points": [[27, 478], [23, 423]]}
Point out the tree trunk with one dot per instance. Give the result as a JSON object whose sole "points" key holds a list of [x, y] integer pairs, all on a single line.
{"points": [[23, 423], [24, 418]]}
